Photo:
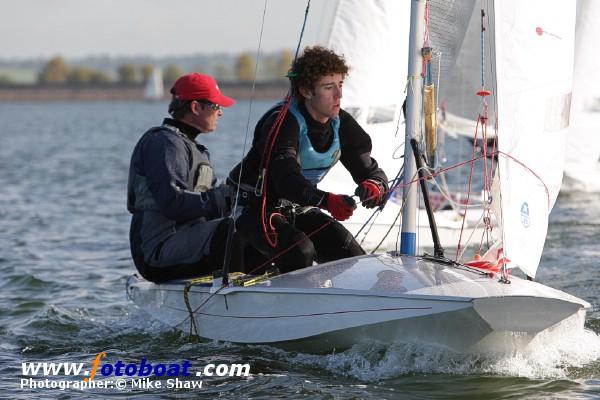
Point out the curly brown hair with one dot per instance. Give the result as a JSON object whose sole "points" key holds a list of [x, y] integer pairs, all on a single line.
{"points": [[315, 63]]}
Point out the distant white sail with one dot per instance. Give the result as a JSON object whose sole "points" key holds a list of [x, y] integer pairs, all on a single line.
{"points": [[582, 169], [154, 89], [534, 51]]}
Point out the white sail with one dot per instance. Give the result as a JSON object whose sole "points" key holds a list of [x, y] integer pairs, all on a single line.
{"points": [[372, 37], [534, 46], [582, 168], [154, 89], [459, 104]]}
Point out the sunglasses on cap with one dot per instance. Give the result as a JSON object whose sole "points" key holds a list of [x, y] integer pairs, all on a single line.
{"points": [[213, 106]]}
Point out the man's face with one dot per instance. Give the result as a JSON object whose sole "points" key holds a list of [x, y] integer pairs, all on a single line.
{"points": [[323, 102], [205, 116]]}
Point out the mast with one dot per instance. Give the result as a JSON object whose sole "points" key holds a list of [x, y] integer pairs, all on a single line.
{"points": [[408, 238]]}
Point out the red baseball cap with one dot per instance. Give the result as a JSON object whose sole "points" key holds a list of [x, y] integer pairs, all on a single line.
{"points": [[196, 86]]}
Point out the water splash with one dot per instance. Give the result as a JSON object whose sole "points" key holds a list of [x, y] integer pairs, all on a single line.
{"points": [[562, 357]]}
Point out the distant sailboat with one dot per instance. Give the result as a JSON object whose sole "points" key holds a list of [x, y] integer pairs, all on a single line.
{"points": [[582, 164], [154, 89]]}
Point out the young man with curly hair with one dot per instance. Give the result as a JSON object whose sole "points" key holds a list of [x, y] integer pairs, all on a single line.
{"points": [[314, 134]]}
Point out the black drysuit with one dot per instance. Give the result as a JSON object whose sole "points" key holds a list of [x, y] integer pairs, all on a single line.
{"points": [[286, 182]]}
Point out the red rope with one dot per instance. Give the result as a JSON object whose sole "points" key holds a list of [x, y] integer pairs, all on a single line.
{"points": [[362, 310], [468, 191], [425, 40], [488, 178], [268, 229], [530, 170], [426, 33], [471, 161], [270, 260]]}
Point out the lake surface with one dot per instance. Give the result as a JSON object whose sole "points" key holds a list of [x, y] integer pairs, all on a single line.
{"points": [[64, 259]]}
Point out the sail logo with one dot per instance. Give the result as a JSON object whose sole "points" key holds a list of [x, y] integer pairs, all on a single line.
{"points": [[525, 220]]}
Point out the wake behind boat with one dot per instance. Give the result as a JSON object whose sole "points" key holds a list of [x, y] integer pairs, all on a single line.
{"points": [[383, 298]]}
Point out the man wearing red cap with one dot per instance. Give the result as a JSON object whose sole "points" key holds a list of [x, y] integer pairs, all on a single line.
{"points": [[314, 134], [177, 228]]}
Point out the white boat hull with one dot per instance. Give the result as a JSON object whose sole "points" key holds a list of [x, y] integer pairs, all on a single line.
{"points": [[339, 304]]}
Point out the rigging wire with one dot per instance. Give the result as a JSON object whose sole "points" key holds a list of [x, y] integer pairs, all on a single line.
{"points": [[482, 119], [393, 224], [302, 30], [231, 228], [266, 155], [393, 184], [269, 231]]}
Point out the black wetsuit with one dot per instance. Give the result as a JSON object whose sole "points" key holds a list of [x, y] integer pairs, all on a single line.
{"points": [[285, 181]]}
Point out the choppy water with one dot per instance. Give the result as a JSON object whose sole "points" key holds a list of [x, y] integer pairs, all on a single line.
{"points": [[64, 258]]}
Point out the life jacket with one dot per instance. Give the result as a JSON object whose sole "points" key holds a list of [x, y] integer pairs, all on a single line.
{"points": [[144, 208], [201, 175], [315, 165]]}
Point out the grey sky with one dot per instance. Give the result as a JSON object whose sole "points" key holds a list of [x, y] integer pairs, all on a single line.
{"points": [[76, 28]]}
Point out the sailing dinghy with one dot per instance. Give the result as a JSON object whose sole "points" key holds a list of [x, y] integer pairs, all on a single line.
{"points": [[154, 88], [473, 306], [384, 298]]}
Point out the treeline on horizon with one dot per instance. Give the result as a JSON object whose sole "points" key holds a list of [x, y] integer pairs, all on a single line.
{"points": [[57, 71]]}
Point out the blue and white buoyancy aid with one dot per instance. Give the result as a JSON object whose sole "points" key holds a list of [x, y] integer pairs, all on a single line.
{"points": [[315, 165]]}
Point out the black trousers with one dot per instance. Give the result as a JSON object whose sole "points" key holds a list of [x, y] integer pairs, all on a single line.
{"points": [[295, 249], [209, 264]]}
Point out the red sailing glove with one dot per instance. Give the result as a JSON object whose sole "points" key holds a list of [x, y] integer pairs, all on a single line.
{"points": [[371, 193], [339, 206]]}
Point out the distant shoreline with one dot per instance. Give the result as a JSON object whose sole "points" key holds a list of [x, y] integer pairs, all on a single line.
{"points": [[237, 90]]}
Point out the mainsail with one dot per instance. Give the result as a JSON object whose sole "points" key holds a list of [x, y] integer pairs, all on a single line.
{"points": [[372, 37], [533, 59]]}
